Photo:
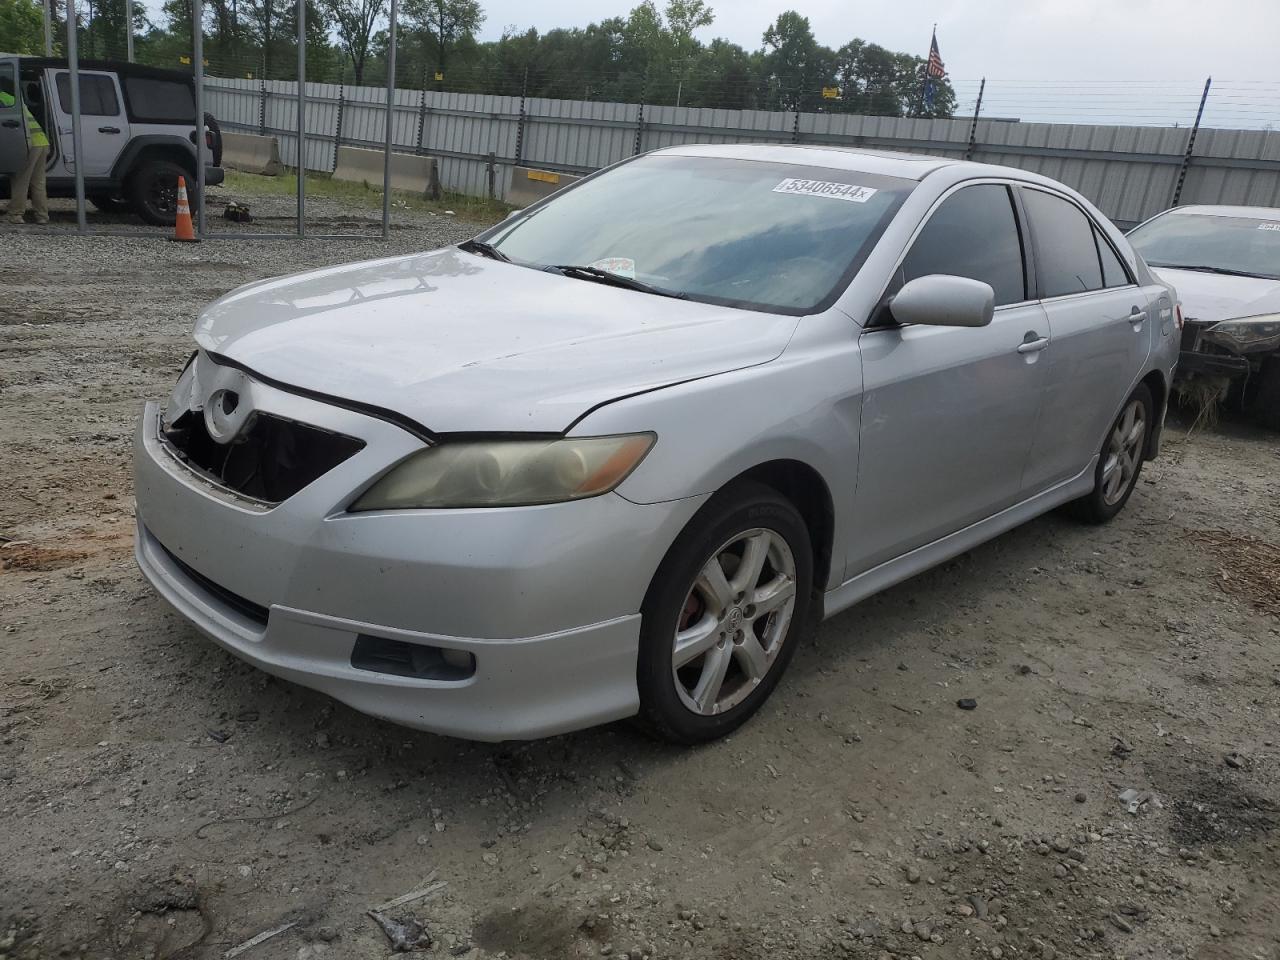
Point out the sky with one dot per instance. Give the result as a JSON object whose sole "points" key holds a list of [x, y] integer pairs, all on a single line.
{"points": [[1008, 39], [1100, 61]]}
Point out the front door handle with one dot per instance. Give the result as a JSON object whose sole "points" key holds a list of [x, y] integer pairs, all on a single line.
{"points": [[108, 129], [1033, 346], [12, 123], [1137, 316]]}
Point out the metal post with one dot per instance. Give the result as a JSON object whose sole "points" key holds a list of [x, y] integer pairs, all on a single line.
{"points": [[48, 28], [1191, 143], [197, 59], [679, 90], [262, 101], [73, 66], [524, 89], [639, 128], [973, 127], [795, 128], [391, 103], [491, 171], [302, 113], [422, 113], [337, 133], [128, 30]]}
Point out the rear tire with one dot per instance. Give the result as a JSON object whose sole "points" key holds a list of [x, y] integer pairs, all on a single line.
{"points": [[737, 626], [1120, 461], [153, 191]]}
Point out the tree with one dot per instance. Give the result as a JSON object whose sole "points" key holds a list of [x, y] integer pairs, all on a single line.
{"points": [[791, 59], [22, 26], [355, 22], [445, 22]]}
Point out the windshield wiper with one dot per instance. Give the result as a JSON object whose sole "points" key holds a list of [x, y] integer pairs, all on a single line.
{"points": [[1225, 271], [598, 275], [484, 249]]}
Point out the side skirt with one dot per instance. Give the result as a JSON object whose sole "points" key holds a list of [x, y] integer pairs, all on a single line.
{"points": [[931, 554]]}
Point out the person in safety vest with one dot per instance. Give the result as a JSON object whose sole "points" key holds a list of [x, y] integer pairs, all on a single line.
{"points": [[29, 179]]}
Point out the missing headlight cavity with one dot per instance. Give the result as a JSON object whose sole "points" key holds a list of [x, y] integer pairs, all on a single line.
{"points": [[271, 460], [400, 659]]}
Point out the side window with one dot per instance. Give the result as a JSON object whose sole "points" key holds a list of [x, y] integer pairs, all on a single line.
{"points": [[1066, 253], [973, 234], [159, 101], [97, 95], [1113, 272]]}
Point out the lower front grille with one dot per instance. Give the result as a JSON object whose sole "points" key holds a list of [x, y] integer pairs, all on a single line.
{"points": [[241, 605], [270, 462]]}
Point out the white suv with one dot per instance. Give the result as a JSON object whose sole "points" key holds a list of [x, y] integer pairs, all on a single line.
{"points": [[138, 124]]}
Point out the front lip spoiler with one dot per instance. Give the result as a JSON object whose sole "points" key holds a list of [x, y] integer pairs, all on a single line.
{"points": [[1191, 362]]}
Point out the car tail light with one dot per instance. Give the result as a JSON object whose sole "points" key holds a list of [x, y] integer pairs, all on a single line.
{"points": [[208, 139]]}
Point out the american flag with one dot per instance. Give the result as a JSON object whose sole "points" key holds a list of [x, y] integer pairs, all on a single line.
{"points": [[935, 68]]}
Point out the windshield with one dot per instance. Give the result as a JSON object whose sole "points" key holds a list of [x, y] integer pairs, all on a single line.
{"points": [[1238, 244], [767, 236]]}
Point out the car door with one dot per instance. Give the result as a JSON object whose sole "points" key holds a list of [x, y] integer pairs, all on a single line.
{"points": [[1100, 323], [949, 413], [13, 131], [103, 123]]}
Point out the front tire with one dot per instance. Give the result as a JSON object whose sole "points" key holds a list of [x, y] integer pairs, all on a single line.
{"points": [[723, 615], [1121, 459], [153, 191]]}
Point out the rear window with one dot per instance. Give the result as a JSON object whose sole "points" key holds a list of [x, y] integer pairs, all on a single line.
{"points": [[97, 95], [152, 100]]}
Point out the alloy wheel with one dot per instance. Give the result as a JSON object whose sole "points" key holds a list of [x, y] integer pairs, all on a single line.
{"points": [[1124, 452], [735, 619]]}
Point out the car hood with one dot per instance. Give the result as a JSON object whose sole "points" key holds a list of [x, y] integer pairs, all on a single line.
{"points": [[1210, 297], [460, 343]]}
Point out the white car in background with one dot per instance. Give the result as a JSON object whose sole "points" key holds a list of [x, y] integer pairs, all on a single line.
{"points": [[1225, 263]]}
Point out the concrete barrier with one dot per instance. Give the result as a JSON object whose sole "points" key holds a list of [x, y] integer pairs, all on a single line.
{"points": [[251, 153], [408, 172], [529, 185]]}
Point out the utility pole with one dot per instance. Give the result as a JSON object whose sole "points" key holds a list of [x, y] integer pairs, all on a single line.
{"points": [[48, 27], [128, 30]]}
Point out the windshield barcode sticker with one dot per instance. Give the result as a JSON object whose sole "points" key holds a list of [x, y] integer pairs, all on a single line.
{"points": [[1269, 226], [850, 192]]}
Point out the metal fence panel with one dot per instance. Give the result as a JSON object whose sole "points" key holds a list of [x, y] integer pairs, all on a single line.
{"points": [[1129, 171]]}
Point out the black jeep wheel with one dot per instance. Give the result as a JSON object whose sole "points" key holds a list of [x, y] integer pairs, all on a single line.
{"points": [[215, 136], [153, 191]]}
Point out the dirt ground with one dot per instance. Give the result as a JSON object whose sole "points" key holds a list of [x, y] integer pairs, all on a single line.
{"points": [[158, 798]]}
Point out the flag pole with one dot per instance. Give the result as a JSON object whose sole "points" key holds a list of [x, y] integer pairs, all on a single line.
{"points": [[924, 77]]}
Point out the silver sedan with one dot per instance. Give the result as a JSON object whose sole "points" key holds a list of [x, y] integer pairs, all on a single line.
{"points": [[614, 456]]}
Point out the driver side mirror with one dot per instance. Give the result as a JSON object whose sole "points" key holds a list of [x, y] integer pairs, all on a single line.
{"points": [[940, 300]]}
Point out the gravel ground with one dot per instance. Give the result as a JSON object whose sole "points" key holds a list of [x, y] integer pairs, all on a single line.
{"points": [[158, 798]]}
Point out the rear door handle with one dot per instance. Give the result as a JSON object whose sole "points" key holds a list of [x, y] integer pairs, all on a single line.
{"points": [[1137, 316], [1033, 346], [108, 129], [12, 123]]}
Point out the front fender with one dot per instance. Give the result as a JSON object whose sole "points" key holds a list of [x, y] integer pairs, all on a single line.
{"points": [[804, 406]]}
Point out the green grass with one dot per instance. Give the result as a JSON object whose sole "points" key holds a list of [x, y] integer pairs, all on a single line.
{"points": [[247, 185]]}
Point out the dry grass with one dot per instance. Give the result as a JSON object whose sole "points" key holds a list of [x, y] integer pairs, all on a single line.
{"points": [[1247, 567]]}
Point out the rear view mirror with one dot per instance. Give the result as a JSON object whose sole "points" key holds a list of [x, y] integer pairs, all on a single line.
{"points": [[944, 301]]}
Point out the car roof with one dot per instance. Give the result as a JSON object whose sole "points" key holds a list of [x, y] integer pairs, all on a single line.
{"points": [[910, 166], [1225, 210], [122, 67]]}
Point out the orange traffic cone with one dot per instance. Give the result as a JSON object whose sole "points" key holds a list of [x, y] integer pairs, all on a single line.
{"points": [[182, 229]]}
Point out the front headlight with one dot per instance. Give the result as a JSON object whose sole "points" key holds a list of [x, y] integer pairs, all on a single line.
{"points": [[507, 473], [1247, 334]]}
